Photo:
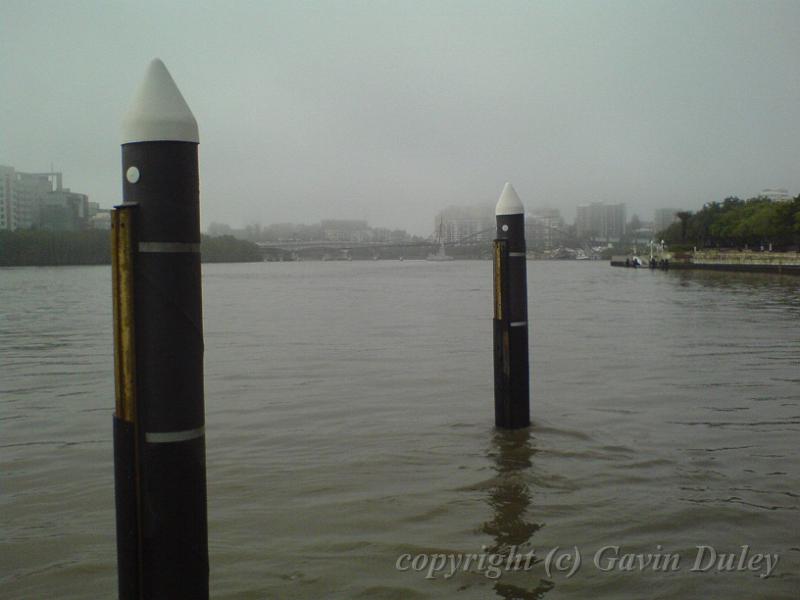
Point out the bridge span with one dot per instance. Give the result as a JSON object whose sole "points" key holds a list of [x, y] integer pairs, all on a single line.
{"points": [[347, 250]]}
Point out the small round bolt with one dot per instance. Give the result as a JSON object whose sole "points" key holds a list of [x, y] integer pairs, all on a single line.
{"points": [[132, 174], [504, 227]]}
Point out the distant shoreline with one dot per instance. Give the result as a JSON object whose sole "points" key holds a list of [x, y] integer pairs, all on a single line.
{"points": [[782, 263], [32, 248]]}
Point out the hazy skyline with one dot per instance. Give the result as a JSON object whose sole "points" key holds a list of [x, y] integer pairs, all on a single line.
{"points": [[391, 111]]}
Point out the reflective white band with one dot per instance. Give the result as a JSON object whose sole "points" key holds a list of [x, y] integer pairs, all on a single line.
{"points": [[168, 247], [174, 436], [518, 323], [516, 254]]}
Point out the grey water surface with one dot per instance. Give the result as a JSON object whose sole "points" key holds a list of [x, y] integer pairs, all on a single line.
{"points": [[349, 419]]}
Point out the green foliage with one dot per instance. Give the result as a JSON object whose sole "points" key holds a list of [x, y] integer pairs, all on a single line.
{"points": [[735, 223], [227, 248], [39, 248]]}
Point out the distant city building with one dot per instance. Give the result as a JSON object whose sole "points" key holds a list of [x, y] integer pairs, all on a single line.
{"points": [[218, 229], [7, 199], [62, 210], [776, 194], [99, 218], [600, 221], [544, 228], [664, 217], [38, 200], [458, 224], [338, 230], [31, 188], [330, 230], [394, 236], [640, 232]]}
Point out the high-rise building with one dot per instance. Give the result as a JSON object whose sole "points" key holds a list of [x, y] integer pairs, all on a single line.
{"points": [[459, 224], [601, 222], [31, 189], [664, 217], [38, 200], [63, 210], [7, 199], [544, 228]]}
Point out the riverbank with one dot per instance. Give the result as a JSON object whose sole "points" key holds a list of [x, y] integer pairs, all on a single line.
{"points": [[30, 248], [784, 263]]}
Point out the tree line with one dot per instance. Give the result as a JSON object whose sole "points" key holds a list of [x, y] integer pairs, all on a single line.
{"points": [[93, 247], [735, 223]]}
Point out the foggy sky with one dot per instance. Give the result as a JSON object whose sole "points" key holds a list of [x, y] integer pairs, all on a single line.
{"points": [[390, 111]]}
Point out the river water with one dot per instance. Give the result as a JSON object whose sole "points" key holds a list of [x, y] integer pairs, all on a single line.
{"points": [[350, 422]]}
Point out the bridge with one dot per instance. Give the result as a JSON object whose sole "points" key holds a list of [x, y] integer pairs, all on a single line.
{"points": [[299, 245], [341, 250], [470, 246], [346, 250]]}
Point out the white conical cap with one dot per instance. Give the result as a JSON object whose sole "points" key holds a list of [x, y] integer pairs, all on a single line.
{"points": [[509, 203], [158, 111]]}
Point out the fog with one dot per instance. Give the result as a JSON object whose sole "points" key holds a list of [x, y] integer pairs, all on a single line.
{"points": [[390, 111]]}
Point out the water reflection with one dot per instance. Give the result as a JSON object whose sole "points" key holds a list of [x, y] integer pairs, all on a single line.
{"points": [[785, 285], [510, 500]]}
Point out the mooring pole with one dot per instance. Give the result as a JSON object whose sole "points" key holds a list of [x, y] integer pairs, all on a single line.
{"points": [[511, 379], [159, 439]]}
